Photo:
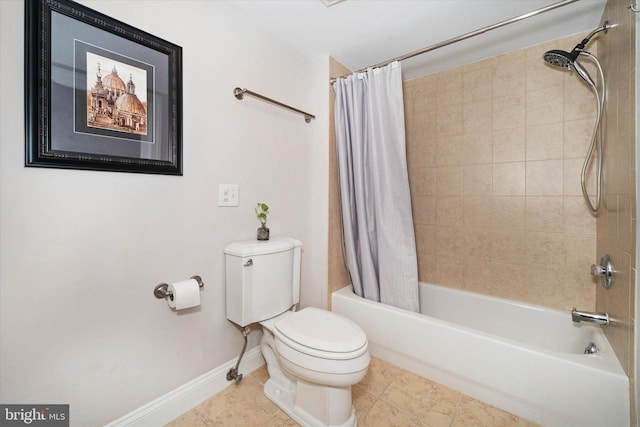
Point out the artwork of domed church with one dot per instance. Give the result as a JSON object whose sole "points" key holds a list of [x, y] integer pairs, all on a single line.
{"points": [[113, 104]]}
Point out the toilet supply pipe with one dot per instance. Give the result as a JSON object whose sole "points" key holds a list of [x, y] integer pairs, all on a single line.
{"points": [[233, 372]]}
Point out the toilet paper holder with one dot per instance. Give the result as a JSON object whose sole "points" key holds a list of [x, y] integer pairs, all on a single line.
{"points": [[161, 290]]}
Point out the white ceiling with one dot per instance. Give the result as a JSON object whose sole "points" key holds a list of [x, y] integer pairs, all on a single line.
{"points": [[361, 33]]}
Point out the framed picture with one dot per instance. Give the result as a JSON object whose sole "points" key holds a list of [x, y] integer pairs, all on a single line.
{"points": [[99, 94]]}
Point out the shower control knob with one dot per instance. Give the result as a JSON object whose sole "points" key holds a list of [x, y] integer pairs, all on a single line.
{"points": [[604, 270]]}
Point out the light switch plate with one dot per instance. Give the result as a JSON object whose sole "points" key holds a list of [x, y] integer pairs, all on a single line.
{"points": [[228, 194]]}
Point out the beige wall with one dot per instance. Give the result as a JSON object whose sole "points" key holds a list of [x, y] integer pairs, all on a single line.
{"points": [[617, 223], [495, 150]]}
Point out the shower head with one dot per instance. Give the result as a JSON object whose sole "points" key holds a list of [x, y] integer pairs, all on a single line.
{"points": [[560, 58]]}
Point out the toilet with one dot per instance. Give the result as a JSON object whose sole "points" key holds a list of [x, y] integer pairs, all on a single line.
{"points": [[313, 356]]}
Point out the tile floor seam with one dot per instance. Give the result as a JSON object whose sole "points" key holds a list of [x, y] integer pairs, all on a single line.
{"points": [[366, 413], [455, 410]]}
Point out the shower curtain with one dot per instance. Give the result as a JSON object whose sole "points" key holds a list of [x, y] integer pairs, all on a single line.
{"points": [[377, 225]]}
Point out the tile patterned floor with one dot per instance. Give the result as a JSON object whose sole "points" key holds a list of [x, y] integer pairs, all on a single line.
{"points": [[387, 396]]}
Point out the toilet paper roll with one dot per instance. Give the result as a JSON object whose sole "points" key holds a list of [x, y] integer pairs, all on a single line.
{"points": [[186, 294]]}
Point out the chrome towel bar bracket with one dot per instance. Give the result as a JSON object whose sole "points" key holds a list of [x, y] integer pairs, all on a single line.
{"points": [[162, 290], [239, 94]]}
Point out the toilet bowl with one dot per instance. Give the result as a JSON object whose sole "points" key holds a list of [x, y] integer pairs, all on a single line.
{"points": [[322, 347], [313, 358]]}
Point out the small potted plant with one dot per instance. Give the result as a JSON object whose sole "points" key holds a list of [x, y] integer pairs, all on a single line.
{"points": [[261, 212]]}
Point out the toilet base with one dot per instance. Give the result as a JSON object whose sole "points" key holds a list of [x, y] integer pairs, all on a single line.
{"points": [[301, 402]]}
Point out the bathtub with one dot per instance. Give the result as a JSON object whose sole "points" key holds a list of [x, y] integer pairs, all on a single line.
{"points": [[525, 359]]}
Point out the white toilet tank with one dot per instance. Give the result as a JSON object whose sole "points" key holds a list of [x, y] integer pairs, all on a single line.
{"points": [[262, 278]]}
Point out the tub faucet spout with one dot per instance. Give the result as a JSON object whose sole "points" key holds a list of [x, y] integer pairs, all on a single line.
{"points": [[589, 317]]}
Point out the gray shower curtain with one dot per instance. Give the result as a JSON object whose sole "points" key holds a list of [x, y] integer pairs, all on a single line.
{"points": [[379, 241]]}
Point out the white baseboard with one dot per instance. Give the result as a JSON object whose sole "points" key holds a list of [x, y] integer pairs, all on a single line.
{"points": [[175, 403]]}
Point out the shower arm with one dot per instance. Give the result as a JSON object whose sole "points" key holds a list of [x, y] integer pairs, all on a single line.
{"points": [[579, 48], [605, 27]]}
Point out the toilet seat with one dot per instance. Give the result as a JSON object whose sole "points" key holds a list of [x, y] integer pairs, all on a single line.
{"points": [[321, 334]]}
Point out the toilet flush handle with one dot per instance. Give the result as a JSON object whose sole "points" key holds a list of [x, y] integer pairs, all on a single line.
{"points": [[249, 262]]}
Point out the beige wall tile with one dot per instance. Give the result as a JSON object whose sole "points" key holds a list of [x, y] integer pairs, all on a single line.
{"points": [[423, 181], [509, 179], [448, 271], [450, 88], [575, 219], [540, 110], [508, 213], [476, 275], [477, 212], [509, 145], [477, 82], [449, 211], [509, 74], [578, 252], [508, 281], [448, 149], [476, 148], [544, 213], [450, 119], [544, 287], [425, 238], [476, 244], [477, 116], [508, 246], [545, 178], [545, 142], [577, 137], [579, 290], [449, 181], [449, 242], [509, 112], [579, 99], [421, 153], [545, 250], [424, 210], [477, 180], [571, 177]]}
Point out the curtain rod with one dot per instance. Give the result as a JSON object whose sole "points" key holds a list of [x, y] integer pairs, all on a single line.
{"points": [[463, 37]]}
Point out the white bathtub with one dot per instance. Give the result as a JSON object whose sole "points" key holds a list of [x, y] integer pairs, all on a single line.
{"points": [[523, 358]]}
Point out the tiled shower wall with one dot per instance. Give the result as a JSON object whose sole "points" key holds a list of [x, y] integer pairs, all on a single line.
{"points": [[495, 150], [617, 223]]}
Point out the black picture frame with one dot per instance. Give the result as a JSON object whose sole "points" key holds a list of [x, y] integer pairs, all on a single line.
{"points": [[99, 94]]}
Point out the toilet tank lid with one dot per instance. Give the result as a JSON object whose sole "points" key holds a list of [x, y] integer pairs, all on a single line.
{"points": [[260, 247]]}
